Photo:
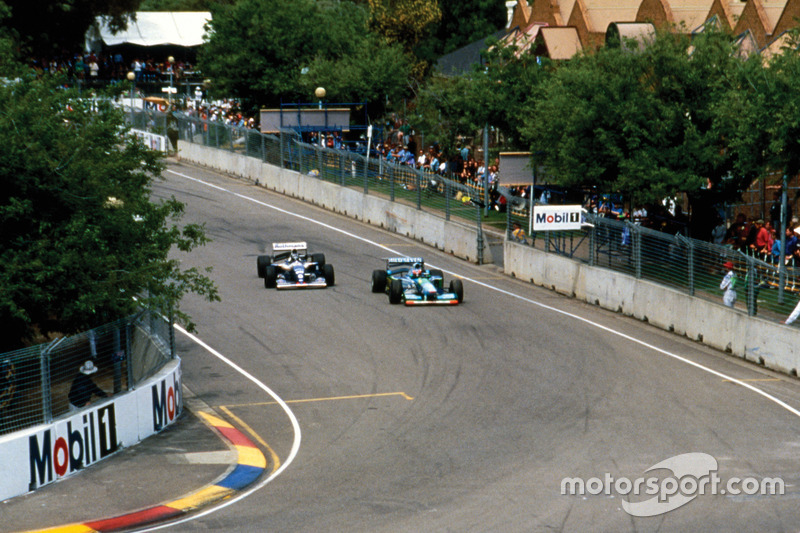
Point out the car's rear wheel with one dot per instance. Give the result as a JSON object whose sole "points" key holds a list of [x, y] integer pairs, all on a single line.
{"points": [[458, 288], [318, 259], [395, 291], [327, 271], [261, 264], [378, 281], [270, 277]]}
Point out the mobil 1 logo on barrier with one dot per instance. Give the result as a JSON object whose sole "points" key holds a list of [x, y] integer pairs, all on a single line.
{"points": [[558, 217], [167, 400], [67, 447]]}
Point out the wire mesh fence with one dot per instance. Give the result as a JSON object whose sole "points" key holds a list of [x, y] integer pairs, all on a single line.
{"points": [[764, 286], [688, 265], [38, 384]]}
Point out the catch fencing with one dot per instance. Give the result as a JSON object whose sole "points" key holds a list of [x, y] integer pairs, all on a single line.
{"points": [[688, 265], [434, 193], [36, 381]]}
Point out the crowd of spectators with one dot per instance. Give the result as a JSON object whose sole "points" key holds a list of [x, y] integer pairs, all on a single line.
{"points": [[88, 67]]}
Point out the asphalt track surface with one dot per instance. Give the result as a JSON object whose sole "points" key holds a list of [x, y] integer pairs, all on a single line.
{"points": [[462, 418]]}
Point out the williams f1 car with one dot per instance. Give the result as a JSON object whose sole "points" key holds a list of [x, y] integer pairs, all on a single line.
{"points": [[292, 267], [406, 280]]}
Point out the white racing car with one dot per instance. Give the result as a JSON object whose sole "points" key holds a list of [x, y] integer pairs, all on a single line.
{"points": [[291, 267]]}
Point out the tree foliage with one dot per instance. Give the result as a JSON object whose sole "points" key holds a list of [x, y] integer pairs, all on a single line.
{"points": [[268, 51], [639, 121], [80, 235], [465, 22], [46, 27]]}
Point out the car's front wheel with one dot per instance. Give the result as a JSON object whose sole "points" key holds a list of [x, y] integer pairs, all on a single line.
{"points": [[261, 264], [378, 281], [457, 287], [327, 271], [395, 291], [270, 277]]}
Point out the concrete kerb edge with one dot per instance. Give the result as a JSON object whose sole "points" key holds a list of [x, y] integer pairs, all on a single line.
{"points": [[250, 464]]}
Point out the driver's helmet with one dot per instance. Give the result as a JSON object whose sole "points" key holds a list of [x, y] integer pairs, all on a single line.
{"points": [[294, 256], [416, 270]]}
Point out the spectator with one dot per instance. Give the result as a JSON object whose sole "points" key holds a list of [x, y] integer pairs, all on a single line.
{"points": [[761, 244], [793, 316], [737, 232], [729, 285], [83, 388], [8, 394]]}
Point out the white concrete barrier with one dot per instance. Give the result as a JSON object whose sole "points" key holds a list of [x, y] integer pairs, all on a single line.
{"points": [[44, 454], [772, 344], [451, 237]]}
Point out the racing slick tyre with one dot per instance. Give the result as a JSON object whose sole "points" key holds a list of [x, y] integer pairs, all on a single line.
{"points": [[395, 291], [270, 277], [318, 259], [327, 271], [458, 288], [439, 283], [261, 264], [378, 281]]}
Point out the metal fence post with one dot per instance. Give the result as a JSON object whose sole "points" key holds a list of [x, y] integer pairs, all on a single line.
{"points": [[690, 249], [128, 347], [480, 234], [116, 360], [448, 192], [47, 392], [637, 251], [391, 187], [366, 174], [750, 280], [419, 189], [592, 242]]}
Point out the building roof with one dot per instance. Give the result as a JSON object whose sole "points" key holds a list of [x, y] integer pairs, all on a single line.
{"points": [[560, 43], [461, 61], [152, 28]]}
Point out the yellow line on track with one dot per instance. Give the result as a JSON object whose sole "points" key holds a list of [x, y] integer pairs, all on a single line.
{"points": [[308, 400]]}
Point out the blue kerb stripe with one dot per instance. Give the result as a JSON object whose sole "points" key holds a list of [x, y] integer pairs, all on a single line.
{"points": [[241, 476]]}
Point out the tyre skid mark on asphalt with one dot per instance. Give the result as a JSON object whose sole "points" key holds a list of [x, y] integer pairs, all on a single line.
{"points": [[586, 321]]}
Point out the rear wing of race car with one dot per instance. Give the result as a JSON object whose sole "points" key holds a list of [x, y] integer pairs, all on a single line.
{"points": [[395, 262], [289, 246], [283, 249]]}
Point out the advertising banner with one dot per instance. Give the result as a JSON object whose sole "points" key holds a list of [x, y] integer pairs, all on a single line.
{"points": [[558, 217], [35, 457]]}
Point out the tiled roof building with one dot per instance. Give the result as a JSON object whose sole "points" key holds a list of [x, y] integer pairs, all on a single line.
{"points": [[764, 20]]}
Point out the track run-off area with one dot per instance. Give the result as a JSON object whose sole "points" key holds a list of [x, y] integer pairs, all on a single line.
{"points": [[519, 410]]}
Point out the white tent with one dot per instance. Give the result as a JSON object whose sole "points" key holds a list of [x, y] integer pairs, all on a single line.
{"points": [[153, 28]]}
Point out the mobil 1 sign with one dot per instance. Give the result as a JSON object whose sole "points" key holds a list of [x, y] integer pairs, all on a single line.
{"points": [[558, 217]]}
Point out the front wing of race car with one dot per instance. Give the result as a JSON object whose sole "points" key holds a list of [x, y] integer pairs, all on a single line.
{"points": [[447, 298], [318, 283]]}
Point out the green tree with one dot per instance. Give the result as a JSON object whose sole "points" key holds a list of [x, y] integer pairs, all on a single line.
{"points": [[80, 234], [465, 22], [639, 121], [763, 109], [268, 51], [46, 27]]}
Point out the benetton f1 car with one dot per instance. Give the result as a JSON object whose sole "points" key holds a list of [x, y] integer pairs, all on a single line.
{"points": [[406, 280], [291, 267]]}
